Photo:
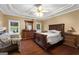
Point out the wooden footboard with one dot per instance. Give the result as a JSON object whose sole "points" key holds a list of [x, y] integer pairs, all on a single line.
{"points": [[41, 40]]}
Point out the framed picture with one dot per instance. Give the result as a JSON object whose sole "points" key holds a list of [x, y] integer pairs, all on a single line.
{"points": [[14, 26], [38, 26]]}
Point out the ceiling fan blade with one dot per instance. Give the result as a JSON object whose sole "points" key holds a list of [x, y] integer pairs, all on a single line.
{"points": [[44, 11]]}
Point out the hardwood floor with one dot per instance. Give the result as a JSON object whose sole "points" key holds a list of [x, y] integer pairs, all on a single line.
{"points": [[65, 50], [33, 49]]}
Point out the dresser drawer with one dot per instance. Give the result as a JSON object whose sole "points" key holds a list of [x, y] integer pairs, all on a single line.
{"points": [[70, 40], [69, 43], [28, 34], [70, 36]]}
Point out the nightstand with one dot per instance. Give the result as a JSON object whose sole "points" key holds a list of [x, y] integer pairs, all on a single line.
{"points": [[72, 39]]}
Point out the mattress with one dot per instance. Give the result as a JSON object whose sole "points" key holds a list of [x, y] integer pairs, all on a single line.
{"points": [[53, 38]]}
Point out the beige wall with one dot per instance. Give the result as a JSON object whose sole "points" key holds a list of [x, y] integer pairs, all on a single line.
{"points": [[7, 18], [1, 19], [70, 20], [38, 22], [21, 19]]}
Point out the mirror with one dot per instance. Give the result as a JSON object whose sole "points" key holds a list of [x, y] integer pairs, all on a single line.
{"points": [[29, 25]]}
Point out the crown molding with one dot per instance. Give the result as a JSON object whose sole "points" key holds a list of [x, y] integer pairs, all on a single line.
{"points": [[58, 12]]}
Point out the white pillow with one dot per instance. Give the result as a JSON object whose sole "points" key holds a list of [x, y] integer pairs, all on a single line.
{"points": [[54, 31]]}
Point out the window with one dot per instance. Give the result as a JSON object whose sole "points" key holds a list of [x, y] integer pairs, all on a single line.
{"points": [[14, 26]]}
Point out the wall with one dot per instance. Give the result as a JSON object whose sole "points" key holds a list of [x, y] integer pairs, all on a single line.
{"points": [[70, 20], [38, 22], [21, 19], [7, 18], [1, 19]]}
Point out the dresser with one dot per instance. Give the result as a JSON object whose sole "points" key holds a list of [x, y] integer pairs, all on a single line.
{"points": [[27, 34], [72, 39]]}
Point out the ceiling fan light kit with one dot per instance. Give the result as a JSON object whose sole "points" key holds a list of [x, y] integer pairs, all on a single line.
{"points": [[39, 10]]}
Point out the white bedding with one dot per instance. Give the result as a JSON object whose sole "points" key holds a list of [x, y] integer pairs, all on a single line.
{"points": [[4, 40], [53, 37]]}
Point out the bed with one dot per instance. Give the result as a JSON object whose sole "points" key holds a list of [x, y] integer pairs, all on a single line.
{"points": [[42, 38], [4, 40], [7, 44]]}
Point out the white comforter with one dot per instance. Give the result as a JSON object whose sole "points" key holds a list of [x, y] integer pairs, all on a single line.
{"points": [[4, 40], [53, 38]]}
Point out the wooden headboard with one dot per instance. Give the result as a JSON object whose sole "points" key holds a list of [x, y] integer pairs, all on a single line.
{"points": [[59, 27]]}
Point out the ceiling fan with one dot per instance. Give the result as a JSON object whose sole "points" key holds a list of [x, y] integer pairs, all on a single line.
{"points": [[39, 10]]}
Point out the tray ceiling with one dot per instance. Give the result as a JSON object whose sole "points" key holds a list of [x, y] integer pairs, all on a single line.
{"points": [[26, 10]]}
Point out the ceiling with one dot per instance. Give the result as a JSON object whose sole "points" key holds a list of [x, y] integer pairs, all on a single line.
{"points": [[26, 10]]}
